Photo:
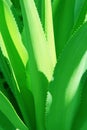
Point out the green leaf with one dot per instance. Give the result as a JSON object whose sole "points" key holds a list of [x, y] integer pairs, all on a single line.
{"points": [[78, 7], [38, 85], [36, 38], [5, 123], [8, 86], [7, 109], [40, 5], [17, 57], [65, 88], [36, 81], [55, 5], [49, 31], [16, 4], [84, 127], [80, 119], [9, 23], [16, 10], [80, 14], [63, 19], [8, 74], [45, 12]]}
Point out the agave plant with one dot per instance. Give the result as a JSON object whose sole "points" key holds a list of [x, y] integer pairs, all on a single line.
{"points": [[43, 65]]}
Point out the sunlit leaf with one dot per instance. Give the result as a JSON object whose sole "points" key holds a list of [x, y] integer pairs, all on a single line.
{"points": [[65, 88]]}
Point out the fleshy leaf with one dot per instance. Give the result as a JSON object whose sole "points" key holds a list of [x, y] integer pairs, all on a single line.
{"points": [[80, 12], [7, 109], [80, 119], [5, 123], [36, 37], [63, 19], [49, 31], [17, 56], [38, 85], [65, 88]]}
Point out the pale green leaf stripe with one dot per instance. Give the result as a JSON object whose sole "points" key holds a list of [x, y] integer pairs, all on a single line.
{"points": [[2, 46], [6, 70], [37, 38], [10, 46], [49, 31], [4, 54], [73, 92], [80, 119], [65, 87], [16, 11], [15, 35], [45, 12], [37, 82], [17, 64], [14, 86], [7, 109]]}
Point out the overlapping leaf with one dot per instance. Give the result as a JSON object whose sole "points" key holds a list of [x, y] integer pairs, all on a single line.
{"points": [[79, 13], [7, 109], [38, 82], [63, 17], [49, 30], [5, 123], [37, 39], [65, 88], [8, 85], [16, 53], [80, 119], [25, 72]]}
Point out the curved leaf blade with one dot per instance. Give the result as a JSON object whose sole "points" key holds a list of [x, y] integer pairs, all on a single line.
{"points": [[49, 31], [65, 87], [7, 109], [17, 56], [63, 19], [80, 12], [36, 37], [80, 119]]}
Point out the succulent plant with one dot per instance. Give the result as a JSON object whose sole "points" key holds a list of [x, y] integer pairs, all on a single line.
{"points": [[43, 65]]}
